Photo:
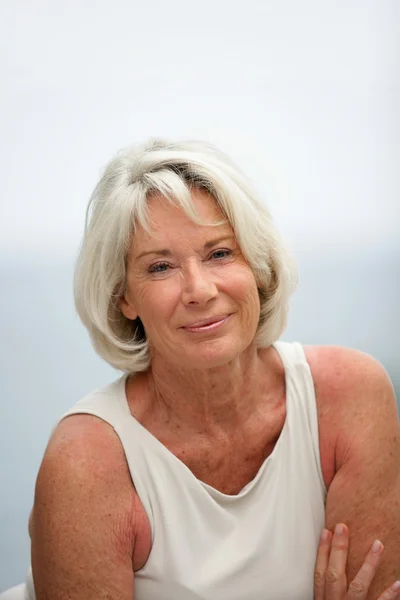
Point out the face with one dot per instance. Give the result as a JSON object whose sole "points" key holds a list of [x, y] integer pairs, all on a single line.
{"points": [[191, 286]]}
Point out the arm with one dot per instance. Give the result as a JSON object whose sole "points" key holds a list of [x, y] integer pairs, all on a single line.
{"points": [[365, 490], [82, 523]]}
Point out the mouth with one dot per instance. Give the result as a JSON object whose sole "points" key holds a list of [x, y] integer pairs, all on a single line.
{"points": [[207, 324]]}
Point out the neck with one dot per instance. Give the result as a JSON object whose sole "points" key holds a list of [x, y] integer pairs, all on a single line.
{"points": [[221, 398]]}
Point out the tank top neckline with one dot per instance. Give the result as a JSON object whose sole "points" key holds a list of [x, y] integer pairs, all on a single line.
{"points": [[215, 493]]}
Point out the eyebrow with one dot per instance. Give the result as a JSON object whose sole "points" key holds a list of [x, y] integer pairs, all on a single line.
{"points": [[166, 252]]}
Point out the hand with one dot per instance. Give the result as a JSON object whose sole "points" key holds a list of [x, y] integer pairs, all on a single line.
{"points": [[330, 581]]}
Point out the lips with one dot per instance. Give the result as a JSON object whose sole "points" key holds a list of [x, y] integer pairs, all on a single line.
{"points": [[205, 322]]}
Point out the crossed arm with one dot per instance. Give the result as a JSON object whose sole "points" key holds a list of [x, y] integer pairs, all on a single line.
{"points": [[365, 490]]}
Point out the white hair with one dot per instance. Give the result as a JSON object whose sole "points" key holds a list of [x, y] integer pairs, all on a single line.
{"points": [[119, 203]]}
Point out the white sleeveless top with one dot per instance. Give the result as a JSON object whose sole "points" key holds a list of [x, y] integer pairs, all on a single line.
{"points": [[259, 544]]}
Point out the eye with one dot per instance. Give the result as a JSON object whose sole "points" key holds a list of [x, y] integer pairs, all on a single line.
{"points": [[159, 268], [221, 253]]}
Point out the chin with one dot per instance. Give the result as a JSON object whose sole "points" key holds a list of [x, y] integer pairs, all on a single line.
{"points": [[213, 356]]}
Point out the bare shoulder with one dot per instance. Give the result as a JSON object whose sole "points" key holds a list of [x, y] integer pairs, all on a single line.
{"points": [[85, 462], [354, 394], [83, 520], [85, 450], [80, 440], [336, 368], [352, 385]]}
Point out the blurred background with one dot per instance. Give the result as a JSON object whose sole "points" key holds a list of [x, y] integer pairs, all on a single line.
{"points": [[304, 95]]}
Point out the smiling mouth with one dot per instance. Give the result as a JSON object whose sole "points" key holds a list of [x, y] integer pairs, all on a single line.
{"points": [[207, 324]]}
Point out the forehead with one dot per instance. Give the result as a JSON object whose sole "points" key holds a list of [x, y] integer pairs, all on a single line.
{"points": [[167, 221]]}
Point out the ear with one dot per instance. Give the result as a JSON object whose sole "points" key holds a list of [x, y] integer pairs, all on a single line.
{"points": [[127, 308]]}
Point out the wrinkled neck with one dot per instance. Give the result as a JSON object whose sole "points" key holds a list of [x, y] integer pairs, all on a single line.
{"points": [[221, 398]]}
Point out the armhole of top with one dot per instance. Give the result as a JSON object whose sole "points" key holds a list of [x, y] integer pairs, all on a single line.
{"points": [[312, 410], [293, 354]]}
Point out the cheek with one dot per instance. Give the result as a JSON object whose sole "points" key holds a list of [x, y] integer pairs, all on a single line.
{"points": [[156, 302], [251, 299], [254, 303], [246, 287]]}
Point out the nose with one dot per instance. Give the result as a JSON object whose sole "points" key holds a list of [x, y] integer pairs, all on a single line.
{"points": [[198, 286]]}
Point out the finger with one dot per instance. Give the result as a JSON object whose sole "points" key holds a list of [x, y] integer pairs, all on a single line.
{"points": [[392, 593], [321, 565], [359, 587], [335, 580]]}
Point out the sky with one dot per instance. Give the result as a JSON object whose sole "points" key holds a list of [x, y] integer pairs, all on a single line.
{"points": [[303, 95]]}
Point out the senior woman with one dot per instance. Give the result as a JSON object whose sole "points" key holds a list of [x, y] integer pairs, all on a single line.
{"points": [[210, 468]]}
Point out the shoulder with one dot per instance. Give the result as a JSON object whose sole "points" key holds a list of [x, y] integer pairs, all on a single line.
{"points": [[354, 397], [83, 441], [80, 440], [344, 367], [345, 376], [84, 466]]}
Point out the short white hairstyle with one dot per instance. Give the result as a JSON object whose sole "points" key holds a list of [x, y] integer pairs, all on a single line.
{"points": [[119, 203]]}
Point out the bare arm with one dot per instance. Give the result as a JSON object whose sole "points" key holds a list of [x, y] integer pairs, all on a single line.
{"points": [[83, 521], [365, 490]]}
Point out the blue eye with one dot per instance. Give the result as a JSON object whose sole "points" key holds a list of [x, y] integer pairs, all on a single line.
{"points": [[222, 253], [158, 268]]}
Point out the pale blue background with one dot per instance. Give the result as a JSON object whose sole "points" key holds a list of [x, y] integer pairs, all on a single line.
{"points": [[304, 95]]}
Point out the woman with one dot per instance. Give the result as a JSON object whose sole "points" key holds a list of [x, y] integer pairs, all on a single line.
{"points": [[210, 468]]}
